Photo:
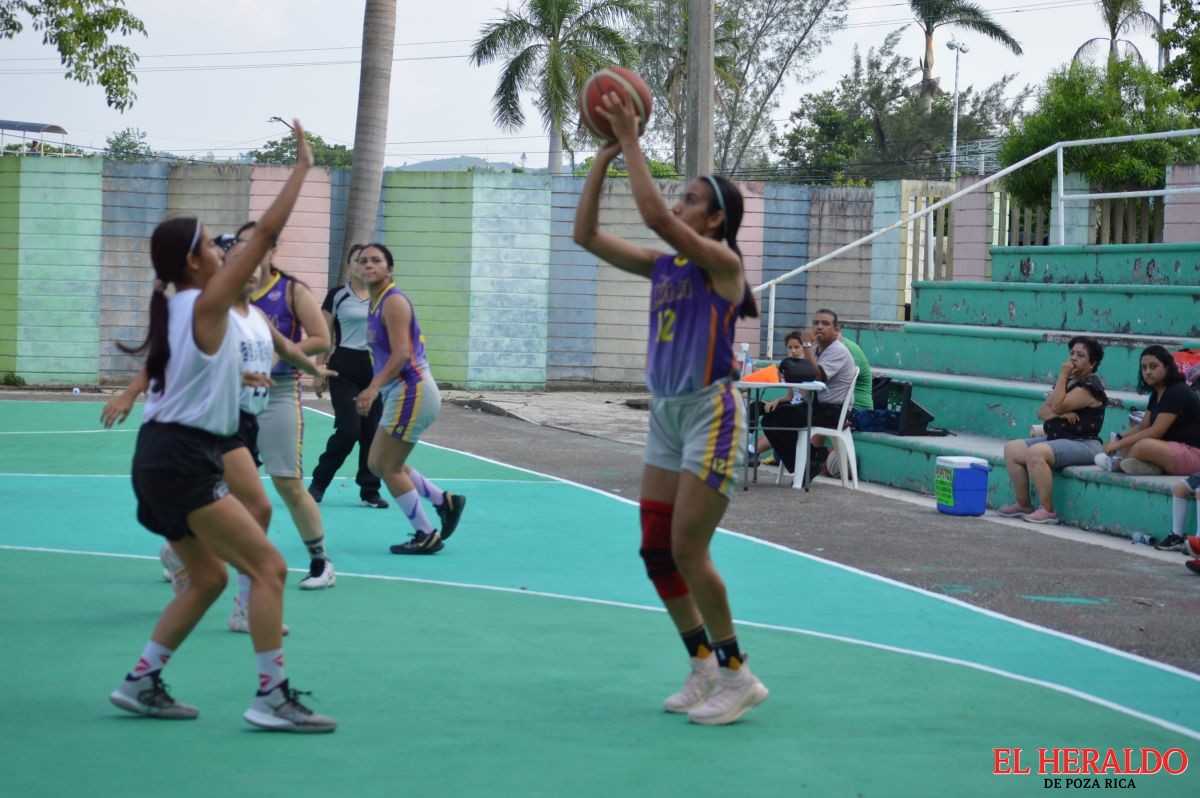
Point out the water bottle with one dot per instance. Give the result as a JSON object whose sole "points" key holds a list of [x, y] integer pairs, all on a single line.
{"points": [[1143, 538], [744, 360]]}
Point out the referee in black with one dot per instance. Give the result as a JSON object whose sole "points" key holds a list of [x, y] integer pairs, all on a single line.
{"points": [[345, 309]]}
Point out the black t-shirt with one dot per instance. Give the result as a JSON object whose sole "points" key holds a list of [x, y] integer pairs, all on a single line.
{"points": [[1181, 401], [1091, 419]]}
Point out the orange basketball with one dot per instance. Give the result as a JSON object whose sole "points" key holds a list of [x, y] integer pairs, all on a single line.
{"points": [[626, 83]]}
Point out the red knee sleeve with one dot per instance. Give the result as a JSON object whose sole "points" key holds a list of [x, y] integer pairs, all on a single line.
{"points": [[656, 550]]}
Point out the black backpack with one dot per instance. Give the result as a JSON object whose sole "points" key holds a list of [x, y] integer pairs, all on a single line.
{"points": [[796, 369]]}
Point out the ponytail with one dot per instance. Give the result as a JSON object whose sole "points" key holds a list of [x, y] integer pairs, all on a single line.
{"points": [[727, 198], [170, 245]]}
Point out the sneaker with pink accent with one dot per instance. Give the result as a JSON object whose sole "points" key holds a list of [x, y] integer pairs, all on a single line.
{"points": [[1042, 516], [1013, 510]]}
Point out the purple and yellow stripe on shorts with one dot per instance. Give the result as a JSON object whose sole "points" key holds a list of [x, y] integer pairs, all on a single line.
{"points": [[724, 440], [407, 398]]}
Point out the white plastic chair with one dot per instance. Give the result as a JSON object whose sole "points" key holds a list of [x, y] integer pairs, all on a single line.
{"points": [[843, 443]]}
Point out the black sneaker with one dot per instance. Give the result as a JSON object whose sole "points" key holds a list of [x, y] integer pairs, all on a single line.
{"points": [[1193, 566], [374, 500], [316, 491], [420, 543], [449, 511], [1171, 542]]}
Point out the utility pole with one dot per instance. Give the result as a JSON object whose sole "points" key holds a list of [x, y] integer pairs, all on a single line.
{"points": [[700, 77]]}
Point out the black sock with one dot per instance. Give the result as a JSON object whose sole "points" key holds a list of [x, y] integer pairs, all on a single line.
{"points": [[728, 653], [316, 548], [696, 642]]}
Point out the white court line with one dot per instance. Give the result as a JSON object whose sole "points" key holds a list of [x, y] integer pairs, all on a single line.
{"points": [[265, 477], [71, 432], [867, 574], [910, 652]]}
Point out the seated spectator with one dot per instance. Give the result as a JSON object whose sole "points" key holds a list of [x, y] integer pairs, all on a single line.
{"points": [[862, 386], [1187, 488], [1168, 437], [834, 365], [1072, 416]]}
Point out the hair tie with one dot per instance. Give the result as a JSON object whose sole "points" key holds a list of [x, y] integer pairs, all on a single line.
{"points": [[159, 286], [716, 187], [196, 236]]}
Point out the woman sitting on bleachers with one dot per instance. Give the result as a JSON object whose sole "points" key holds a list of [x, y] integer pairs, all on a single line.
{"points": [[1168, 437], [1072, 417]]}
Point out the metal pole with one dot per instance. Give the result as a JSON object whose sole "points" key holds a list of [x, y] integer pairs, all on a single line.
{"points": [[771, 323], [954, 124], [1062, 222]]}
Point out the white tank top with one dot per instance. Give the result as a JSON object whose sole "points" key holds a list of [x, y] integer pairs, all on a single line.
{"points": [[201, 390], [258, 355]]}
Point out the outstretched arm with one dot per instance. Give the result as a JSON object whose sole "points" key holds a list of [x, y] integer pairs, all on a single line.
{"points": [[617, 251], [212, 307]]}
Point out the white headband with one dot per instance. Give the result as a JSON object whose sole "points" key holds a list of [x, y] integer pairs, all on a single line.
{"points": [[195, 236], [712, 181]]}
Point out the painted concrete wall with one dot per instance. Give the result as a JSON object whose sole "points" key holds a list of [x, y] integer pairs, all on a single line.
{"points": [[135, 200], [57, 287], [838, 216], [504, 296], [973, 231], [1181, 214]]}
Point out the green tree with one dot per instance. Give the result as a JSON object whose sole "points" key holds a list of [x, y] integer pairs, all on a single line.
{"points": [[1183, 71], [776, 40], [661, 39], [871, 126], [128, 145], [1120, 17], [80, 30], [933, 14], [552, 47], [1081, 101], [283, 151]]}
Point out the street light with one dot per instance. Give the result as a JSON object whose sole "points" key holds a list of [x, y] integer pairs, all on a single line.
{"points": [[958, 48]]}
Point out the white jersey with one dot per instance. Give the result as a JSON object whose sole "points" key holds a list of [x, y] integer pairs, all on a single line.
{"points": [[258, 355], [201, 390]]}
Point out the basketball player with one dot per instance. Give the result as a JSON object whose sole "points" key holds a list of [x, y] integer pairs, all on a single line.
{"points": [[698, 429], [194, 369], [410, 404]]}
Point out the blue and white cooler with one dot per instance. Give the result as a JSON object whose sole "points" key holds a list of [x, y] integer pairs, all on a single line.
{"points": [[960, 485]]}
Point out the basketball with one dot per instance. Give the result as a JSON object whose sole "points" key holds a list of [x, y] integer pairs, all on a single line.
{"points": [[624, 82]]}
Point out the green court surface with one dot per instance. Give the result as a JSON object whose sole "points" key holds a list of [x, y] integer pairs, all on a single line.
{"points": [[529, 658]]}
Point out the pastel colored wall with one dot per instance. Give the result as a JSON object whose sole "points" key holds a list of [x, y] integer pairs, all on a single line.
{"points": [[135, 200], [504, 296], [57, 297]]}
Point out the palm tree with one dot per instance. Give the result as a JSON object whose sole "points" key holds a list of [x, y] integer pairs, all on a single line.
{"points": [[1120, 17], [552, 46], [370, 129], [933, 14]]}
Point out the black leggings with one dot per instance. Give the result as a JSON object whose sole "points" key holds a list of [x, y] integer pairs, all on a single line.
{"points": [[781, 429], [354, 375]]}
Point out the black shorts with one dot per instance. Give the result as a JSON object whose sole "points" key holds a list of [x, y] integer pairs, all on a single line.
{"points": [[246, 435], [176, 469]]}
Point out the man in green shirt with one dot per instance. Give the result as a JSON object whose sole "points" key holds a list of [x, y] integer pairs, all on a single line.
{"points": [[862, 386]]}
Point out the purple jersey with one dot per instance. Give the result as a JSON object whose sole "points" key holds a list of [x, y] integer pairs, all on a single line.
{"points": [[377, 338], [272, 300], [691, 329]]}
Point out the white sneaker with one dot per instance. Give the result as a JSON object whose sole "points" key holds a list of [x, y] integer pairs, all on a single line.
{"points": [[736, 693], [148, 696], [696, 687], [1139, 468], [173, 570], [281, 710], [320, 575], [239, 620]]}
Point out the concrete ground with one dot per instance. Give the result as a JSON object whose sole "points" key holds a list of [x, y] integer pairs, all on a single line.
{"points": [[1092, 586], [1085, 584]]}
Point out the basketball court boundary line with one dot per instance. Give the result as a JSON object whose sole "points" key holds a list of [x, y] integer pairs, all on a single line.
{"points": [[1173, 669], [915, 653]]}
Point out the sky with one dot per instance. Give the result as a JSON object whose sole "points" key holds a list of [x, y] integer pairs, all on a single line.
{"points": [[213, 72]]}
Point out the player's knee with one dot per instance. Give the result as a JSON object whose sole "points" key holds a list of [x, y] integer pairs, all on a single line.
{"points": [[656, 551], [208, 582]]}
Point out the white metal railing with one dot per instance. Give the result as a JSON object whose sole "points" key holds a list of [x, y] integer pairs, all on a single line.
{"points": [[927, 212]]}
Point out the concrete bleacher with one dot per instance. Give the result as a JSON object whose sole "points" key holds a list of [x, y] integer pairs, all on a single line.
{"points": [[981, 357]]}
